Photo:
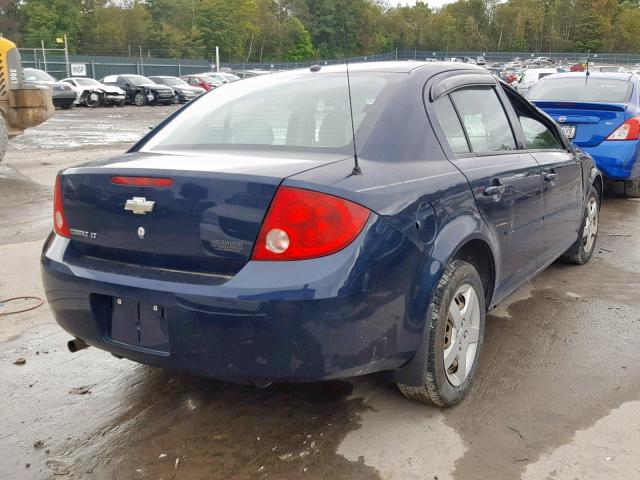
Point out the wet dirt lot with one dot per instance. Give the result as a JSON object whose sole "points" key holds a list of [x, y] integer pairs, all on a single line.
{"points": [[557, 396]]}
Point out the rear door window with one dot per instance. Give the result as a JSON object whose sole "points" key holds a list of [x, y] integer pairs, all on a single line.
{"points": [[484, 120], [573, 88], [451, 126]]}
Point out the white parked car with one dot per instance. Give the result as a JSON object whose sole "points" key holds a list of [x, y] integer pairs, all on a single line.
{"points": [[531, 76], [92, 93]]}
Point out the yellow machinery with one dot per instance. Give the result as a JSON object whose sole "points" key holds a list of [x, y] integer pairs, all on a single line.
{"points": [[21, 106]]}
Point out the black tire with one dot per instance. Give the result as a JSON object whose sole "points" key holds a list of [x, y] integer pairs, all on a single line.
{"points": [[584, 248], [66, 106], [140, 100], [4, 137], [93, 102], [121, 103], [438, 390]]}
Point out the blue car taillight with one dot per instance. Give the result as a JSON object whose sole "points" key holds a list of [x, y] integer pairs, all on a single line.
{"points": [[629, 130]]}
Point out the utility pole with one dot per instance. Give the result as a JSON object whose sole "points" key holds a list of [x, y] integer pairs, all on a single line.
{"points": [[66, 55], [217, 59], [44, 56], [141, 67]]}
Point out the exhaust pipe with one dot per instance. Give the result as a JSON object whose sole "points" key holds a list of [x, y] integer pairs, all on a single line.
{"points": [[76, 345]]}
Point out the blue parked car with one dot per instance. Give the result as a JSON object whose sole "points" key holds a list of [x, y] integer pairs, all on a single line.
{"points": [[243, 239], [600, 113]]}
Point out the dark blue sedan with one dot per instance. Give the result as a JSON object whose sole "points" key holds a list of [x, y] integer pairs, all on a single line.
{"points": [[600, 113], [244, 240]]}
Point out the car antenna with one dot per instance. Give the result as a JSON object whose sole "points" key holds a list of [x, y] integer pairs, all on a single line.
{"points": [[356, 168]]}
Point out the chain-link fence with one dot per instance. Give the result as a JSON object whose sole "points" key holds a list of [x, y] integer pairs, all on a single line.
{"points": [[99, 66]]}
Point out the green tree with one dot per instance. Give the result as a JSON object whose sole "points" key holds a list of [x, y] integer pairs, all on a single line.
{"points": [[302, 49], [46, 20]]}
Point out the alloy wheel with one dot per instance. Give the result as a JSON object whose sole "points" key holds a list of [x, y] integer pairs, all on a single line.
{"points": [[462, 335], [590, 230]]}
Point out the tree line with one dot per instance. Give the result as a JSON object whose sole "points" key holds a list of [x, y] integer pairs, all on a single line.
{"points": [[271, 30]]}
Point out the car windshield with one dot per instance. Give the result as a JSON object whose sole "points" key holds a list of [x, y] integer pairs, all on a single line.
{"points": [[172, 82], [300, 112], [230, 76], [31, 75], [87, 81], [138, 80], [579, 89]]}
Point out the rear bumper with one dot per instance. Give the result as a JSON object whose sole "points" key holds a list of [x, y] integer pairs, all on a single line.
{"points": [[63, 101], [339, 316], [618, 160]]}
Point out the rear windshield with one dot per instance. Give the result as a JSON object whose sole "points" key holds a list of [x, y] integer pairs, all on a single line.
{"points": [[32, 75], [581, 89], [304, 111]]}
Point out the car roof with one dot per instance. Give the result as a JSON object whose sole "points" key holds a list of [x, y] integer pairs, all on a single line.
{"points": [[429, 69]]}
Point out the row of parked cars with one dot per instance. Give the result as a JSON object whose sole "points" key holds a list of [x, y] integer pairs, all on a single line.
{"points": [[120, 90]]}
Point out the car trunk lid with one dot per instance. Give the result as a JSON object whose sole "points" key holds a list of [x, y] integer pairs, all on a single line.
{"points": [[205, 221], [593, 121]]}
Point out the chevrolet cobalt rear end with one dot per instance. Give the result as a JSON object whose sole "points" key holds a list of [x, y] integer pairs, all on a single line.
{"points": [[288, 228]]}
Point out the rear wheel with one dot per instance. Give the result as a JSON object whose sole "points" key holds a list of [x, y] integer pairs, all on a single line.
{"points": [[4, 138], [586, 243], [140, 99], [456, 332]]}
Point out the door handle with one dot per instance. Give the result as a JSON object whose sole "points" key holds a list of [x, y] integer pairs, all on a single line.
{"points": [[494, 190], [550, 177]]}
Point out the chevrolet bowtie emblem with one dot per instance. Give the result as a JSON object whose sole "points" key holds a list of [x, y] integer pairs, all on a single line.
{"points": [[139, 205]]}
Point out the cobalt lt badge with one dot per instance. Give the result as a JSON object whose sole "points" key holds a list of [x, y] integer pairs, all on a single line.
{"points": [[141, 233]]}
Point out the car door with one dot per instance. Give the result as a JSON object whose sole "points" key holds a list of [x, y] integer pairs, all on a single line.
{"points": [[125, 85], [561, 176], [504, 178]]}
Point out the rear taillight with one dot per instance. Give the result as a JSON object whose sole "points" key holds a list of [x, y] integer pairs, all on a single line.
{"points": [[302, 224], [60, 225], [142, 181], [629, 130]]}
